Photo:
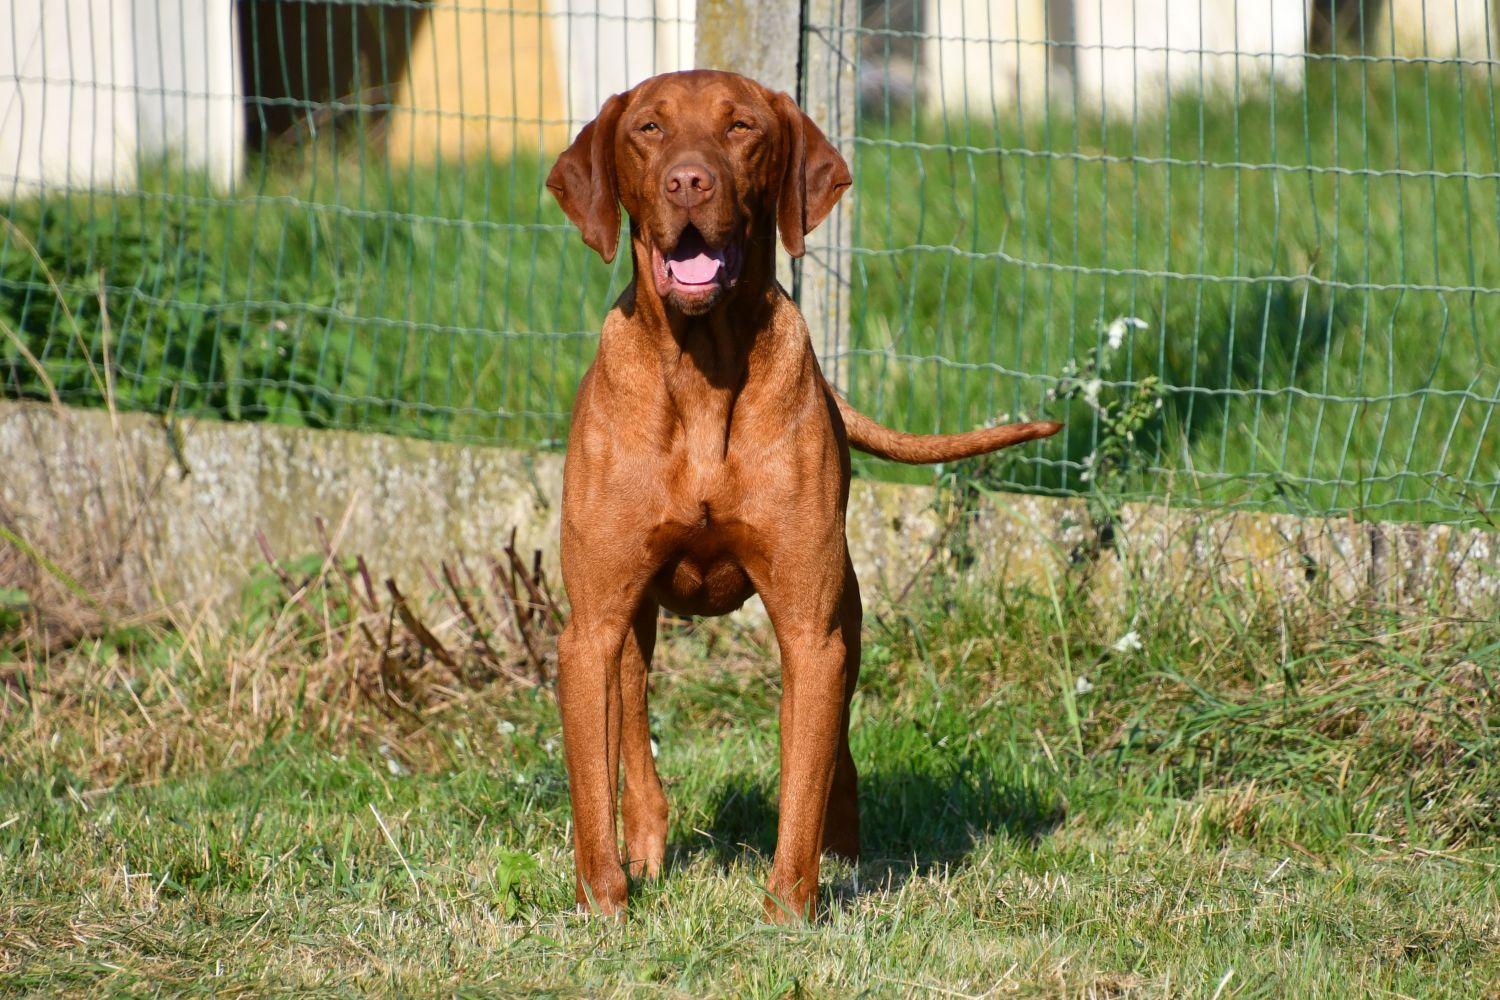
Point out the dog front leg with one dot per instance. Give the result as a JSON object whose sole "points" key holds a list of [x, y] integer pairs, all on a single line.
{"points": [[644, 806], [812, 703], [808, 614], [588, 693]]}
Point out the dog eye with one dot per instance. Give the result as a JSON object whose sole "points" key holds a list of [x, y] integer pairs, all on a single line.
{"points": [[740, 126], [650, 128]]}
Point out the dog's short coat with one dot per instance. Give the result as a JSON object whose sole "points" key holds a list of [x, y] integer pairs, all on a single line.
{"points": [[709, 460]]}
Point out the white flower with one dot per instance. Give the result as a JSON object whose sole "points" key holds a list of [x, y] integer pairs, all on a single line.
{"points": [[1130, 642], [1090, 391], [391, 763], [1115, 335], [1082, 685]]}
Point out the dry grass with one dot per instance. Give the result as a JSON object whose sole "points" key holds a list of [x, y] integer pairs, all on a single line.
{"points": [[339, 787]]}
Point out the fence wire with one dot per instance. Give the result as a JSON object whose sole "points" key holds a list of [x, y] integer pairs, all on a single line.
{"points": [[1277, 221], [1249, 252]]}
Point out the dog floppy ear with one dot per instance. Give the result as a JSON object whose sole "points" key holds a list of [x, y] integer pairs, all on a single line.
{"points": [[583, 181], [814, 178]]}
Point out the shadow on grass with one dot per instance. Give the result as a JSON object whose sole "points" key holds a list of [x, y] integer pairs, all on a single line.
{"points": [[1248, 341], [914, 820]]}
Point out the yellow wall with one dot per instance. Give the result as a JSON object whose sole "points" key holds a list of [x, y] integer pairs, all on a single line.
{"points": [[482, 82]]}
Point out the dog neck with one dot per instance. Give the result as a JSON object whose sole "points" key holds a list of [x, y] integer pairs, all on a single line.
{"points": [[721, 342]]}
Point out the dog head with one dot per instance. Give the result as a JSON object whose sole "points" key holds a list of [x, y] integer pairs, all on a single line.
{"points": [[709, 165]]}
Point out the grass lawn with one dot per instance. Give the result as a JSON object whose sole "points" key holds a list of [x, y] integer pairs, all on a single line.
{"points": [[1257, 799], [1319, 270]]}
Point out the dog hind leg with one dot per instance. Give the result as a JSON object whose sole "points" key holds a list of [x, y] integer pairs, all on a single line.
{"points": [[841, 821]]}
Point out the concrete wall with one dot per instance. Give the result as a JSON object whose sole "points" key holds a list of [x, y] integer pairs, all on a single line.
{"points": [[760, 40], [92, 89], [403, 504]]}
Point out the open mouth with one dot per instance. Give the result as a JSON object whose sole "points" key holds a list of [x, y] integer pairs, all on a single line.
{"points": [[693, 271]]}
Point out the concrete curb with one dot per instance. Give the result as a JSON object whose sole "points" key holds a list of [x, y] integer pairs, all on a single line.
{"points": [[209, 487]]}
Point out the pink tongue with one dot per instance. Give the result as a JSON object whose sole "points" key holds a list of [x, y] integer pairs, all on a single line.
{"points": [[697, 270]]}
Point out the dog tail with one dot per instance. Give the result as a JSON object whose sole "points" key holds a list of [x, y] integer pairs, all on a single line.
{"points": [[919, 449]]}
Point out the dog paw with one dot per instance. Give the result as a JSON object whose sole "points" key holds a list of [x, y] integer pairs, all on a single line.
{"points": [[605, 893], [789, 903]]}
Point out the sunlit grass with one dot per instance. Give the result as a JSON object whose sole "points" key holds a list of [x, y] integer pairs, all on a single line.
{"points": [[1263, 796]]}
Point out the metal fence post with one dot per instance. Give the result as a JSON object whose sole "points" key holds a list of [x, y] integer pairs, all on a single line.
{"points": [[828, 94], [796, 47], [758, 40]]}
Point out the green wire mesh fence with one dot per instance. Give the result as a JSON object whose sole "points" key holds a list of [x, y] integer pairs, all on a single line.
{"points": [[1278, 221], [336, 218], [1250, 252]]}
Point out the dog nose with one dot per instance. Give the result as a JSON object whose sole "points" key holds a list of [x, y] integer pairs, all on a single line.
{"points": [[689, 184]]}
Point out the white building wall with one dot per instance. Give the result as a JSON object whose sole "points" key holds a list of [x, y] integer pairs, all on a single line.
{"points": [[91, 89], [189, 101], [65, 119], [606, 46], [1120, 56], [1443, 28], [984, 57], [1131, 55], [1125, 56]]}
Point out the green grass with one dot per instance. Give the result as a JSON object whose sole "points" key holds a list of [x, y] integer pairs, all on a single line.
{"points": [[448, 302], [1262, 800], [1249, 237], [1320, 269]]}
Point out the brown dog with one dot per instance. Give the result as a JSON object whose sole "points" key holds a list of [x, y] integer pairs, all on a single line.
{"points": [[709, 460]]}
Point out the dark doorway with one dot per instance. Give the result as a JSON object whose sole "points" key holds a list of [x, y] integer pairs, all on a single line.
{"points": [[313, 65]]}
